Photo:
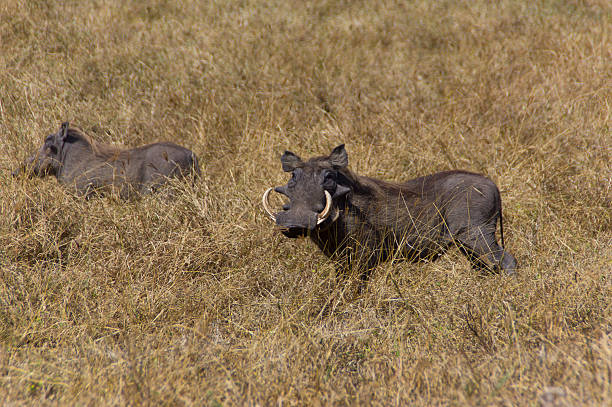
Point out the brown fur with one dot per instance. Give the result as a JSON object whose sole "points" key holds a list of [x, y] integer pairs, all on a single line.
{"points": [[91, 167], [100, 150], [374, 220]]}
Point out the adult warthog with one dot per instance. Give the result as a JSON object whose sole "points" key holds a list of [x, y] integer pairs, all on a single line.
{"points": [[360, 222], [91, 167]]}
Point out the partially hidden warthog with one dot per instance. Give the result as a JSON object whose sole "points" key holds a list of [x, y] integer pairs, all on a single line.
{"points": [[91, 167], [360, 222]]}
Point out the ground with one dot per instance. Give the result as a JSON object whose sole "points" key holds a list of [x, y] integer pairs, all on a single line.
{"points": [[200, 301]]}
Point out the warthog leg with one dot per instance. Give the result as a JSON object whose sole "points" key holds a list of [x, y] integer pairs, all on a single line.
{"points": [[483, 251]]}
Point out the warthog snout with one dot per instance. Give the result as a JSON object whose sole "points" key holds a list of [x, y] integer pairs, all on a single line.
{"points": [[298, 220], [27, 167]]}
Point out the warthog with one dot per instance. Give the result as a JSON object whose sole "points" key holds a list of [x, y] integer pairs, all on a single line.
{"points": [[90, 167], [360, 222]]}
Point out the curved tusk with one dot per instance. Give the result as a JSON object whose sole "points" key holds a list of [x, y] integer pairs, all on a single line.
{"points": [[325, 213], [266, 204]]}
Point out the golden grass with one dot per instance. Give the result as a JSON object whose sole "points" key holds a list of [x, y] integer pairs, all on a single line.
{"points": [[199, 301]]}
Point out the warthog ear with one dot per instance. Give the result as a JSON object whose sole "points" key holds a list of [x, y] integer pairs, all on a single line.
{"points": [[338, 157], [64, 130], [290, 161]]}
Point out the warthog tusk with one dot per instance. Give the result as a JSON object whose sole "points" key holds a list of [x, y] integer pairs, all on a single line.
{"points": [[266, 204], [321, 217], [325, 213]]}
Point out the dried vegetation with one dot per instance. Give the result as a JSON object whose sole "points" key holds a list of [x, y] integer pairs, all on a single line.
{"points": [[199, 301]]}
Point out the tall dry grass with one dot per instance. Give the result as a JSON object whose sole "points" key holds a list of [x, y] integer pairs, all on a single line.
{"points": [[199, 301]]}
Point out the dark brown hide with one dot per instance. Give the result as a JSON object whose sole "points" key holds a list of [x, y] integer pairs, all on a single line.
{"points": [[90, 167], [373, 221]]}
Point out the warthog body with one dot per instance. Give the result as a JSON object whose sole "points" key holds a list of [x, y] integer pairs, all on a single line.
{"points": [[90, 167], [360, 222]]}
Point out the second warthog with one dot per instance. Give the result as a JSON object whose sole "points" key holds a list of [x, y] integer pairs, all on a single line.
{"points": [[91, 167], [360, 222]]}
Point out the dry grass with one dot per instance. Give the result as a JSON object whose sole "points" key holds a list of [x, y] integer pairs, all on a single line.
{"points": [[199, 301]]}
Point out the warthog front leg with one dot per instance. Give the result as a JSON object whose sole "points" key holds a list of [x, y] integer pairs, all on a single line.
{"points": [[358, 260]]}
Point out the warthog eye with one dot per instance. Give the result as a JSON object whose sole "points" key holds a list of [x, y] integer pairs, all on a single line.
{"points": [[329, 182], [292, 181], [52, 149]]}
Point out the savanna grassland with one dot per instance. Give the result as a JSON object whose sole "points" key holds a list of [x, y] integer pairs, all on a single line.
{"points": [[200, 301]]}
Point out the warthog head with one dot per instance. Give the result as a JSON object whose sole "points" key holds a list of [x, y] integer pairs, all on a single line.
{"points": [[312, 190], [48, 159]]}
